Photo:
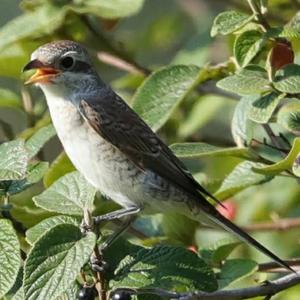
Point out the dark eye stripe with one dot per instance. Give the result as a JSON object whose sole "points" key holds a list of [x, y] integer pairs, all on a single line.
{"points": [[81, 66]]}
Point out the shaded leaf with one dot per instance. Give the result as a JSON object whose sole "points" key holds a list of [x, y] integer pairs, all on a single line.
{"points": [[161, 92], [166, 267], [13, 162], [35, 232], [248, 81], [59, 167], [55, 261], [241, 126], [68, 195], [198, 150], [44, 20], [229, 21], [287, 79], [9, 99], [263, 107], [289, 116], [109, 9], [234, 270], [9, 256], [37, 141], [242, 177], [201, 113], [247, 46], [35, 173], [284, 164]]}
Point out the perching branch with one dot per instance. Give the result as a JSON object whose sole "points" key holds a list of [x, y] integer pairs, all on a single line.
{"points": [[268, 288]]}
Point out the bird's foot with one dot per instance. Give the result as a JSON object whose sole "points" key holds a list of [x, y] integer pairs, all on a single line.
{"points": [[85, 228], [97, 265]]}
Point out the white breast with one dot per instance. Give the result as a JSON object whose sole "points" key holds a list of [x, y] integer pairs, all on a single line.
{"points": [[103, 166]]}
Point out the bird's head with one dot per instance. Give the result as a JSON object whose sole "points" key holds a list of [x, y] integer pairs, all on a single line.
{"points": [[64, 63]]}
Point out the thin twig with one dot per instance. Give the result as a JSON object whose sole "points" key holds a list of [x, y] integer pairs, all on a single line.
{"points": [[272, 267], [279, 225], [120, 63], [269, 288]]}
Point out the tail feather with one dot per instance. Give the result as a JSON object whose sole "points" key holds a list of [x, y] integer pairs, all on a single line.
{"points": [[219, 219]]}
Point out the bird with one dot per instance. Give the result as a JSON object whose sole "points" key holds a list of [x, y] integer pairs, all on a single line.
{"points": [[114, 149]]}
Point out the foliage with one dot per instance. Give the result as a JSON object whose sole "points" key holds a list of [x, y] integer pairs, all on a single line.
{"points": [[44, 251]]}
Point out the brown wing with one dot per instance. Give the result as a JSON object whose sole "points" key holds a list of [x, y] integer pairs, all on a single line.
{"points": [[116, 122]]}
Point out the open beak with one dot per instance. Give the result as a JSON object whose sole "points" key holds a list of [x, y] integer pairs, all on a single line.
{"points": [[43, 73]]}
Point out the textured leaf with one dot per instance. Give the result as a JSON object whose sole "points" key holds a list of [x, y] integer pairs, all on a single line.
{"points": [[13, 160], [44, 20], [9, 99], [284, 164], [289, 116], [9, 256], [263, 107], [19, 295], [35, 173], [247, 46], [234, 270], [37, 141], [241, 178], [59, 167], [161, 92], [109, 9], [296, 166], [246, 82], [197, 150], [241, 126], [201, 113], [55, 261], [229, 21], [69, 195], [166, 267], [35, 232], [287, 79]]}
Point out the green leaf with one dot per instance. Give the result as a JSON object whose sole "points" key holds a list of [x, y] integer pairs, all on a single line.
{"points": [[35, 173], [263, 107], [19, 295], [165, 267], [287, 79], [292, 28], [44, 20], [284, 164], [13, 162], [241, 126], [219, 251], [35, 232], [234, 270], [60, 166], [289, 116], [161, 93], [229, 21], [248, 81], [9, 99], [71, 293], [69, 195], [247, 46], [198, 150], [55, 261], [109, 9], [9, 256], [37, 141], [210, 104], [241, 178]]}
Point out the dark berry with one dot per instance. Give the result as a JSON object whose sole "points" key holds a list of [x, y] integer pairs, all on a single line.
{"points": [[121, 296], [87, 293]]}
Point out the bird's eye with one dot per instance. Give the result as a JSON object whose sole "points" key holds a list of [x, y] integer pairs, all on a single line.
{"points": [[67, 62]]}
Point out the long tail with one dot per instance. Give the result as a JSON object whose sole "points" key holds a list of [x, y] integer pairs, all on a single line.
{"points": [[219, 219]]}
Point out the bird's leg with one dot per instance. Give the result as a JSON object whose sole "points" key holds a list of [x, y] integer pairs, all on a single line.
{"points": [[123, 212], [118, 232]]}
